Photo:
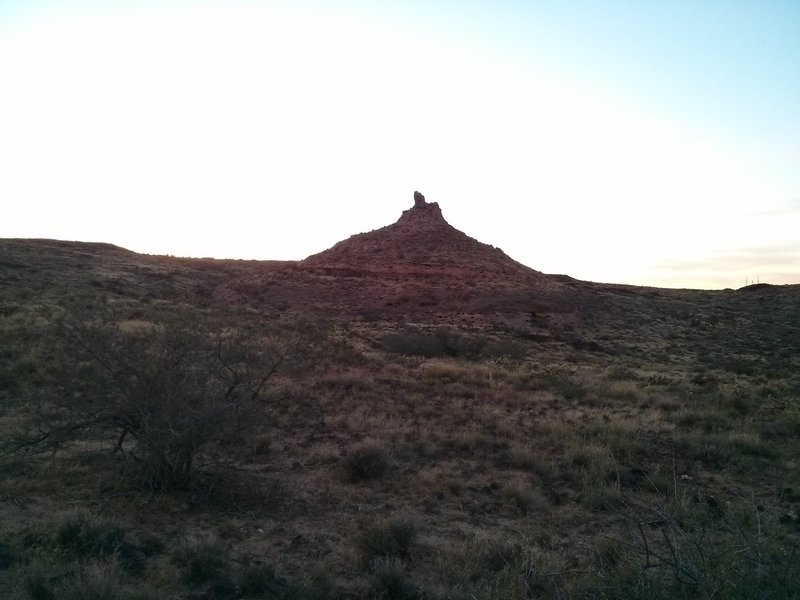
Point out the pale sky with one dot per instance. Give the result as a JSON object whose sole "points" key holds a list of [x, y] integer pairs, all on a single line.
{"points": [[648, 143]]}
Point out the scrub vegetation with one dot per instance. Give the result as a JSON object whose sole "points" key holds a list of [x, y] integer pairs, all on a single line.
{"points": [[159, 441]]}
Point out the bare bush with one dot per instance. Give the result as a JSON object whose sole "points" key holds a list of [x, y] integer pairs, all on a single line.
{"points": [[365, 462], [160, 391], [696, 547]]}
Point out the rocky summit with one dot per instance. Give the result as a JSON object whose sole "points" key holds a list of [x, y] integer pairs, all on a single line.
{"points": [[421, 244], [422, 264]]}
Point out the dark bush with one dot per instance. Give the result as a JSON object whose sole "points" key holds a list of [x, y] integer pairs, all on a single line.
{"points": [[259, 580], [223, 588], [499, 555], [503, 349], [389, 580], [150, 544], [203, 563], [161, 392], [391, 538], [365, 462], [565, 385], [38, 587], [622, 373], [416, 343], [85, 539], [7, 557], [446, 342]]}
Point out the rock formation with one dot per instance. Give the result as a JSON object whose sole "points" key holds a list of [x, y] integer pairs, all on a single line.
{"points": [[420, 244], [422, 263], [423, 215]]}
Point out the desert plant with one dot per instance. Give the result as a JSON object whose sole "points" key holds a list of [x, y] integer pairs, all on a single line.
{"points": [[365, 462], [78, 535], [621, 372], [599, 496], [526, 499], [417, 343], [37, 583], [689, 547], [204, 562], [98, 583], [85, 538], [447, 342], [591, 461], [390, 581], [393, 537], [161, 391], [257, 580]]}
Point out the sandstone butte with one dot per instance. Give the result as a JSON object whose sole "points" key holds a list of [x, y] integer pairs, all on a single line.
{"points": [[421, 263], [420, 244]]}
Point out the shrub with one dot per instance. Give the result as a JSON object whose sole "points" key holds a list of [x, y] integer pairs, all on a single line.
{"points": [[621, 373], [561, 383], [618, 438], [608, 551], [623, 390], [749, 444], [601, 496], [444, 342], [677, 551], [203, 563], [37, 584], [414, 343], [150, 544], [258, 580], [366, 462], [161, 392], [389, 581], [523, 456], [525, 499], [447, 370], [97, 583], [591, 460], [86, 539], [504, 349], [7, 557], [77, 535], [499, 555], [391, 538]]}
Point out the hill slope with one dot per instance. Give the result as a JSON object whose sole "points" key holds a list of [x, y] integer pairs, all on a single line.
{"points": [[421, 244], [446, 423]]}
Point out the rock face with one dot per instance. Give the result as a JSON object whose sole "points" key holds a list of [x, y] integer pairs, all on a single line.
{"points": [[423, 216], [421, 244], [422, 264]]}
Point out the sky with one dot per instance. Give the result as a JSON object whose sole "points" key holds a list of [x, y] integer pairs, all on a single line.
{"points": [[646, 143]]}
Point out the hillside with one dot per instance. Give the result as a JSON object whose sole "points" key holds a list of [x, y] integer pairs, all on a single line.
{"points": [[421, 244], [408, 414]]}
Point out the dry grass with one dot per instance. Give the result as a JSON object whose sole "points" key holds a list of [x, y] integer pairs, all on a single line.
{"points": [[645, 468]]}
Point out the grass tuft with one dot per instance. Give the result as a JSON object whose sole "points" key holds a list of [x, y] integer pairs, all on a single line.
{"points": [[203, 562], [393, 537]]}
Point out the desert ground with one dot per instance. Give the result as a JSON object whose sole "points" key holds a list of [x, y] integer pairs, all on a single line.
{"points": [[410, 414]]}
